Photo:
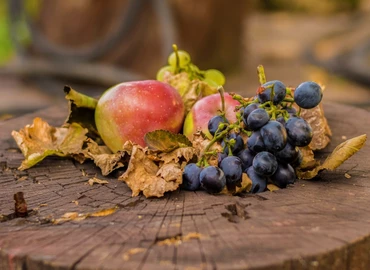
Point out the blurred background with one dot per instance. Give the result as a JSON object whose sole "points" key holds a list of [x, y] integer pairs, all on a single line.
{"points": [[92, 45]]}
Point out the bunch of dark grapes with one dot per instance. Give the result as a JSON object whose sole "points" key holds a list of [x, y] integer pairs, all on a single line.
{"points": [[275, 132]]}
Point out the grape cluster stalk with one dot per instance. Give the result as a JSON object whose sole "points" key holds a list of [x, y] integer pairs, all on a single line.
{"points": [[274, 131]]}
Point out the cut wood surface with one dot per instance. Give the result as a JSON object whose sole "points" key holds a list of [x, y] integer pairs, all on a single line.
{"points": [[319, 224]]}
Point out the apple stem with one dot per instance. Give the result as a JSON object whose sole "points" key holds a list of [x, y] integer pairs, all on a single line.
{"points": [[221, 90], [261, 74]]}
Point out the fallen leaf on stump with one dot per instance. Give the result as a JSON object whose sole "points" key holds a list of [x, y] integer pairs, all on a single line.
{"points": [[40, 140], [153, 177], [103, 157], [132, 251], [75, 216], [165, 141], [95, 180], [340, 154], [81, 110]]}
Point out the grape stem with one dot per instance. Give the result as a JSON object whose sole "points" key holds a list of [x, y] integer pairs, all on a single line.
{"points": [[216, 138], [261, 74], [272, 94], [175, 49], [288, 100], [299, 111]]}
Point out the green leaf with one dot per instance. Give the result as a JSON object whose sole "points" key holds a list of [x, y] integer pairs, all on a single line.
{"points": [[165, 141], [340, 154], [81, 110]]}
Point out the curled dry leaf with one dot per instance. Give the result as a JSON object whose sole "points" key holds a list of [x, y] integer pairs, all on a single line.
{"points": [[81, 110], [103, 157], [272, 187], [340, 154], [40, 140], [244, 186], [321, 135], [179, 239], [165, 141], [154, 177], [191, 90], [75, 216], [132, 251], [96, 180], [179, 155], [321, 130], [308, 160], [319, 124]]}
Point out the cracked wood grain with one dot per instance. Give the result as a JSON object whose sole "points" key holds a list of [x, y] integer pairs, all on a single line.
{"points": [[320, 224]]}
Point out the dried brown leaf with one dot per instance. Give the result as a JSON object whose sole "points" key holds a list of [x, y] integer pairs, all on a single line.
{"points": [[103, 157], [179, 155], [22, 178], [170, 172], [68, 217], [245, 186], [40, 140], [103, 212], [320, 128], [132, 251], [154, 178], [190, 90], [272, 187], [96, 180], [343, 152], [81, 110], [165, 141], [75, 216], [308, 160], [179, 239], [340, 154]]}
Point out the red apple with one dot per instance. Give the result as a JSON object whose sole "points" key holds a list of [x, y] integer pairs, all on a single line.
{"points": [[204, 109], [129, 110]]}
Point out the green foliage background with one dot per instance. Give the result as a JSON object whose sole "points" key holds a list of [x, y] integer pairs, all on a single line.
{"points": [[6, 47]]}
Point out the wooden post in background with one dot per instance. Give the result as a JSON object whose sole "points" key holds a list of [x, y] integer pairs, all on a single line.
{"points": [[210, 30]]}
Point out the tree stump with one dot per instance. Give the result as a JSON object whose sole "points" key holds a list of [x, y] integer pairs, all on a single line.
{"points": [[319, 224]]}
